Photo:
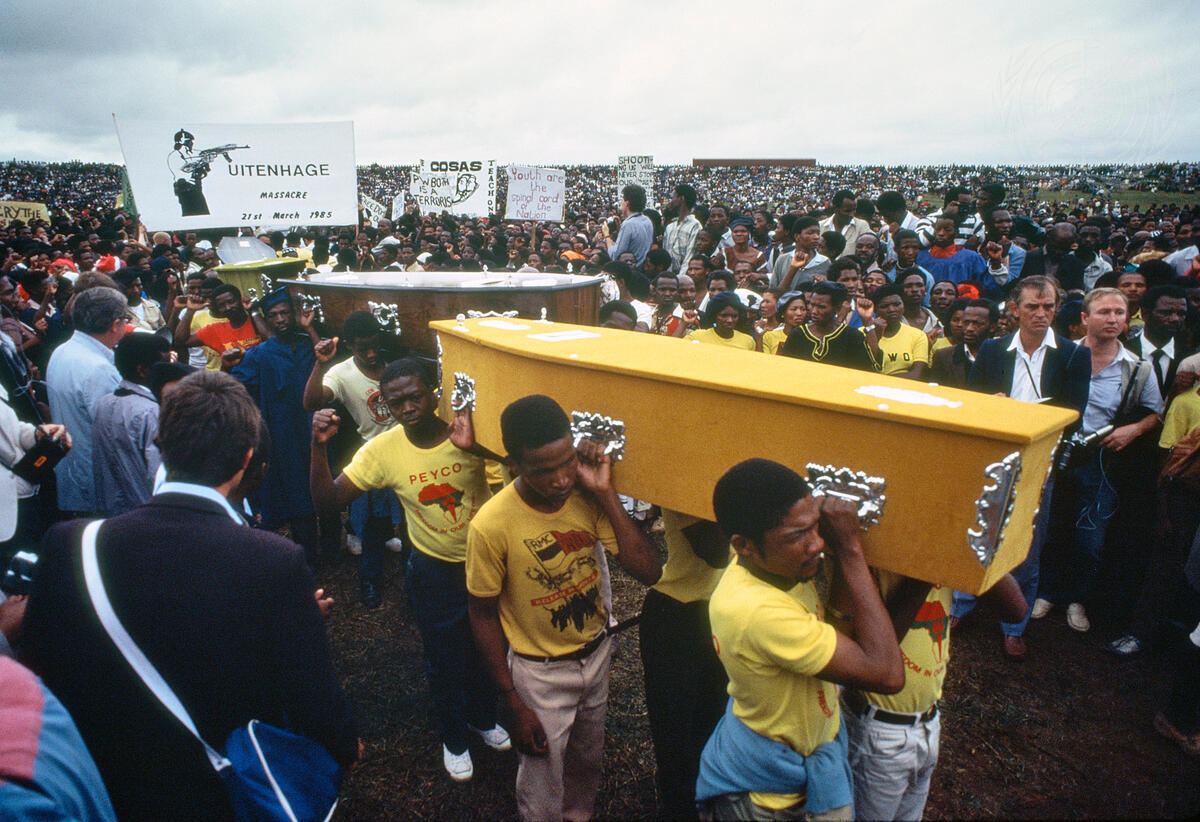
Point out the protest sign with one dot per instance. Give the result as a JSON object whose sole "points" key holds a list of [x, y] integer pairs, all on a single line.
{"points": [[638, 169], [465, 188], [398, 206], [189, 175], [18, 210], [535, 193], [375, 210]]}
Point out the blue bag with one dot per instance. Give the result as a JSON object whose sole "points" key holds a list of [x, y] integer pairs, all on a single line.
{"points": [[280, 776]]}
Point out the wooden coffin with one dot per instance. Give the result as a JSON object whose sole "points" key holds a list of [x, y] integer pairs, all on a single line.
{"points": [[963, 471], [412, 300]]}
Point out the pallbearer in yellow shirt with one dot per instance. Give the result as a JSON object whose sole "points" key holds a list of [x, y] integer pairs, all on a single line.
{"points": [[779, 752], [894, 737], [437, 471], [685, 683], [540, 602]]}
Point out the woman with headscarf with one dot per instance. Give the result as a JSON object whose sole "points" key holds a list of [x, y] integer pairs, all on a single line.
{"points": [[792, 312]]}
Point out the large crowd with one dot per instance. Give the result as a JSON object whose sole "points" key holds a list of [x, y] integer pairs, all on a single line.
{"points": [[784, 678]]}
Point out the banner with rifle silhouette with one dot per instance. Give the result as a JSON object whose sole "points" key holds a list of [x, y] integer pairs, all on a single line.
{"points": [[189, 175]]}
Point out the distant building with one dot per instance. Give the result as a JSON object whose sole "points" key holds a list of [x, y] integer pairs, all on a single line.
{"points": [[777, 162]]}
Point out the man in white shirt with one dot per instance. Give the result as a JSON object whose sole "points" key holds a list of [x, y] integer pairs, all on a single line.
{"points": [[1032, 364], [843, 220], [1164, 309]]}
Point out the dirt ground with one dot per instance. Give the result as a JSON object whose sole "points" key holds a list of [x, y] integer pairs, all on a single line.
{"points": [[1065, 734]]}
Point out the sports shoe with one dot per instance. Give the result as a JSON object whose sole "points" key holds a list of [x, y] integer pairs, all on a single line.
{"points": [[395, 545], [458, 765], [1127, 646], [1190, 744], [497, 738], [1077, 618], [1041, 607], [354, 545]]}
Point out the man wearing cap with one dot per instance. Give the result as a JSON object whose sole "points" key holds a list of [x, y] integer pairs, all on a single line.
{"points": [[275, 372]]}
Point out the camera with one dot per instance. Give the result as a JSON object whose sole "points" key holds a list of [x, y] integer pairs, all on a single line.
{"points": [[1075, 449], [18, 576]]}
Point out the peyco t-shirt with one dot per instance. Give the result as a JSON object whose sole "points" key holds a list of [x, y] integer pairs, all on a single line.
{"points": [[441, 488]]}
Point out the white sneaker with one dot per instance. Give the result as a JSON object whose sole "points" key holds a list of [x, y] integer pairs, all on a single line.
{"points": [[354, 545], [497, 738], [1126, 646], [395, 545], [458, 765], [1077, 618], [1041, 607]]}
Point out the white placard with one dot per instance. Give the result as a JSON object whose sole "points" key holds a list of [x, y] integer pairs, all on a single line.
{"points": [[375, 209], [536, 193], [398, 206], [466, 188], [637, 169], [219, 175]]}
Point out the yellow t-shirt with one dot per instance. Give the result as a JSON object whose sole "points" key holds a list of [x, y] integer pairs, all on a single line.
{"points": [[1182, 416], [362, 398], [709, 335], [925, 648], [772, 644], [212, 358], [940, 343], [773, 339], [551, 582], [903, 349], [441, 488], [685, 577]]}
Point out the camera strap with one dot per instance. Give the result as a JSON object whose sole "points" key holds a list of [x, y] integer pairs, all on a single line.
{"points": [[1037, 390]]}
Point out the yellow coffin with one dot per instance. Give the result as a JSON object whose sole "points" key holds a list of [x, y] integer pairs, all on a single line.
{"points": [[963, 471]]}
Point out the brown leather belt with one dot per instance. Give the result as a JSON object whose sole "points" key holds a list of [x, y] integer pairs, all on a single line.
{"points": [[583, 653]]}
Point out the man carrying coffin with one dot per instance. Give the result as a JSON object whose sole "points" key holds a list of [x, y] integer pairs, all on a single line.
{"points": [[779, 752], [540, 602], [1032, 364]]}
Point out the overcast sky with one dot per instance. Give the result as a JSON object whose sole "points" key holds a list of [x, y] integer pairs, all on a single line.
{"points": [[528, 81]]}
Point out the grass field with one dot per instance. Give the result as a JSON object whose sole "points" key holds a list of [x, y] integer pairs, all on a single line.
{"points": [[1126, 197]]}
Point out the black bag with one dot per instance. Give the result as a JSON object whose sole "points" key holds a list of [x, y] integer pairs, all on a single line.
{"points": [[38, 463]]}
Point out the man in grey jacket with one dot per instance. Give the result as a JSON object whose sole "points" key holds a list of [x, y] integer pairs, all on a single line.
{"points": [[125, 457]]}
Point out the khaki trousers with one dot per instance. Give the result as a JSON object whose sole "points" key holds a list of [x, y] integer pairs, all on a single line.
{"points": [[570, 699]]}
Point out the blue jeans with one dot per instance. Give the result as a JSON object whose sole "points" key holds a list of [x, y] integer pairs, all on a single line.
{"points": [[461, 688], [1087, 505], [371, 518], [1026, 574]]}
